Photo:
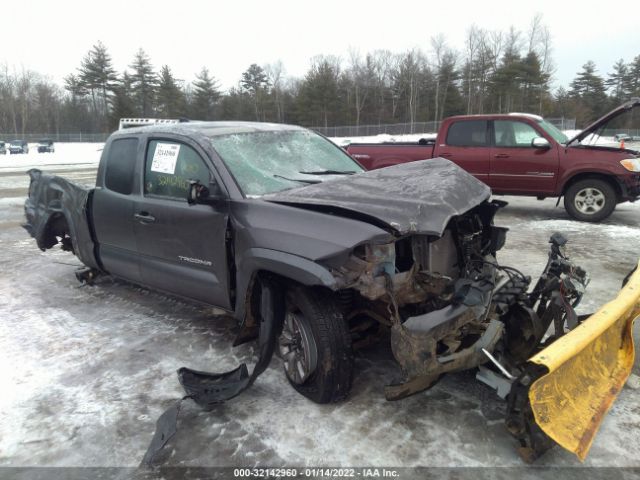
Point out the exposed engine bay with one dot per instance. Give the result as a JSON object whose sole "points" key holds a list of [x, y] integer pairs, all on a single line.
{"points": [[451, 306]]}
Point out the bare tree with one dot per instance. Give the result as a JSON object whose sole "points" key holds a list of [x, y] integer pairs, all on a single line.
{"points": [[383, 63], [438, 44], [472, 44], [275, 73], [535, 30], [359, 75]]}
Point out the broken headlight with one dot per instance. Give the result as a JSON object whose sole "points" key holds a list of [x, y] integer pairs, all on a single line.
{"points": [[382, 258]]}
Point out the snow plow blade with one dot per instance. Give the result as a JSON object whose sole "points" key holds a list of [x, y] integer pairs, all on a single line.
{"points": [[584, 371]]}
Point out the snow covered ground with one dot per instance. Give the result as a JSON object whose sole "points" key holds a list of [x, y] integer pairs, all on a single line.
{"points": [[77, 155], [78, 161], [383, 137], [85, 371]]}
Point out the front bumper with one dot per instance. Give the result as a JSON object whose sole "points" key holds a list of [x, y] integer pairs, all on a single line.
{"points": [[630, 187]]}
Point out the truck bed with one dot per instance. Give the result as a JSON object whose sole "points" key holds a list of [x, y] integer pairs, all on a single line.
{"points": [[58, 211], [380, 155]]}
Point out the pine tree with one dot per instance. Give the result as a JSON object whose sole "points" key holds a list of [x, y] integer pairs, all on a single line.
{"points": [[616, 81], [255, 82], [122, 101], [533, 83], [562, 104], [631, 83], [589, 92], [205, 95], [236, 105], [144, 83], [170, 98], [451, 102], [97, 75], [75, 87], [319, 99], [505, 82]]}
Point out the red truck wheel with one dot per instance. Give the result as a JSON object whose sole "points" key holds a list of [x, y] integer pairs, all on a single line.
{"points": [[590, 200]]}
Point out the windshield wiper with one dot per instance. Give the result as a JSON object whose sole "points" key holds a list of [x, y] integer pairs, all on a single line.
{"points": [[329, 172], [301, 180]]}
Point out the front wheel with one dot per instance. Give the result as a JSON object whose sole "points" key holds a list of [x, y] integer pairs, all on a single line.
{"points": [[590, 200], [315, 345]]}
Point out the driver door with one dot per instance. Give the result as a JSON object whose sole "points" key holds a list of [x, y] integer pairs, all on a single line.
{"points": [[182, 248]]}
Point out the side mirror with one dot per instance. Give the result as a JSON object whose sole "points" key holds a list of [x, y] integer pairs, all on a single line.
{"points": [[540, 142], [199, 194]]}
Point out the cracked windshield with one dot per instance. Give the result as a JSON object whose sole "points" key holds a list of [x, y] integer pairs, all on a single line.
{"points": [[268, 162]]}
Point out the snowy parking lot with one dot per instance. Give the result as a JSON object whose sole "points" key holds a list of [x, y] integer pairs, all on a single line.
{"points": [[85, 371]]}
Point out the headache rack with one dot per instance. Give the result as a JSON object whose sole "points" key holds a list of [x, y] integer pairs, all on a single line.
{"points": [[141, 122]]}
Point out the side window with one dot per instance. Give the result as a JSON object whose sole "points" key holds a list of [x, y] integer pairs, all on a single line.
{"points": [[513, 134], [168, 168], [468, 133], [121, 162]]}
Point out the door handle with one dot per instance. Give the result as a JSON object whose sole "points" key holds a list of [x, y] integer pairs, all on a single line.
{"points": [[446, 154], [144, 217], [501, 155]]}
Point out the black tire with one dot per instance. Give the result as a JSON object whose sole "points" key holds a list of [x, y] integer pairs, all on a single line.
{"points": [[590, 200], [330, 380]]}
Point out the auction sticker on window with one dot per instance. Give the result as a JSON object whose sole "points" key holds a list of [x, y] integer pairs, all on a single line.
{"points": [[165, 157]]}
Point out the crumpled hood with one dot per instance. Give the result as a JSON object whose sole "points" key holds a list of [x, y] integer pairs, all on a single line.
{"points": [[418, 197]]}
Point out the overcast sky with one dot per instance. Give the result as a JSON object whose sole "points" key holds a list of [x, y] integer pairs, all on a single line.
{"points": [[227, 36]]}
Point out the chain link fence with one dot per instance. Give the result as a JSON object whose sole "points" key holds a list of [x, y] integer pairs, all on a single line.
{"points": [[56, 137], [411, 128], [340, 131]]}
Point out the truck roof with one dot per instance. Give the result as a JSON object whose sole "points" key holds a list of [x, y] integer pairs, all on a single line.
{"points": [[210, 129], [496, 116]]}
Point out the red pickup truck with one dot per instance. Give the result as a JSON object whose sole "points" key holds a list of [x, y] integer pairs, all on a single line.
{"points": [[522, 154]]}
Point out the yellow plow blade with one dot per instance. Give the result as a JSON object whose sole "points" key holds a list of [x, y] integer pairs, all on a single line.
{"points": [[587, 368]]}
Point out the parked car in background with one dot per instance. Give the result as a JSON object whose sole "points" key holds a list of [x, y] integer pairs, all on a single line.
{"points": [[522, 154], [3, 148], [18, 146], [46, 146]]}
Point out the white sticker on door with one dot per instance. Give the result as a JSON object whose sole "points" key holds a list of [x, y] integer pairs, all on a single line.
{"points": [[165, 157]]}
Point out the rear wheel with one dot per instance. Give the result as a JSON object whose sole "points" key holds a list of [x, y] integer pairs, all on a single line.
{"points": [[590, 200], [315, 345]]}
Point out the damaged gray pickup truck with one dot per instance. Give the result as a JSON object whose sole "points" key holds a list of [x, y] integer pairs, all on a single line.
{"points": [[316, 257]]}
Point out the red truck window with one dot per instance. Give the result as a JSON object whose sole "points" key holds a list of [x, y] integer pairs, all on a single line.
{"points": [[510, 133], [468, 133]]}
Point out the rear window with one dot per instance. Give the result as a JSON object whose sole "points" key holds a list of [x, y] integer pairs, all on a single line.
{"points": [[121, 162], [468, 133]]}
